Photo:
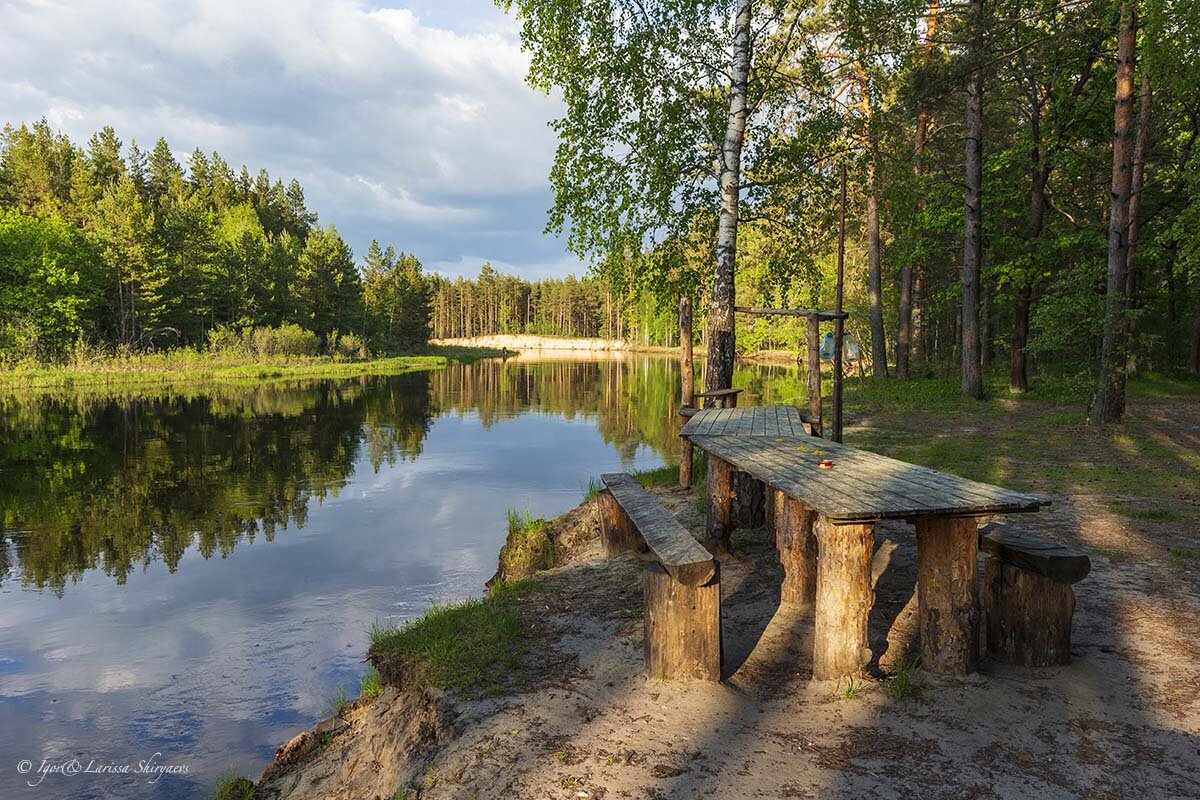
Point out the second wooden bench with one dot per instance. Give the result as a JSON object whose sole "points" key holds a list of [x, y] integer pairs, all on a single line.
{"points": [[681, 581]]}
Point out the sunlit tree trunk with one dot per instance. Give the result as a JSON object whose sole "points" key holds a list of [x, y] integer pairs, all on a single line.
{"points": [[1110, 394], [972, 376], [719, 371]]}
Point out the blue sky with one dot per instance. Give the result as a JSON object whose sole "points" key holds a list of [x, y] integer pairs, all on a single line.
{"points": [[407, 123]]}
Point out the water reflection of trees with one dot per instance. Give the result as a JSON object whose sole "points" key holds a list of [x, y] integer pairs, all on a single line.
{"points": [[93, 484], [114, 483]]}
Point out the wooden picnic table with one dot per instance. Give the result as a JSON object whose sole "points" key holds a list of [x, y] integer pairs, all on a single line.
{"points": [[824, 522]]}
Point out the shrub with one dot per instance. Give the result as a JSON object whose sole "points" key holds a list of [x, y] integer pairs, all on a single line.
{"points": [[227, 339], [286, 340], [350, 346]]}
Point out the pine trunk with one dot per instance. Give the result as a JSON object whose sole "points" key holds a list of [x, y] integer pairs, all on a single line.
{"points": [[1137, 183], [972, 376], [1110, 392]]}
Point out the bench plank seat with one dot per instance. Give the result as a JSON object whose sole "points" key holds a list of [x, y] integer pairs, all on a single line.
{"points": [[1048, 559], [684, 558]]}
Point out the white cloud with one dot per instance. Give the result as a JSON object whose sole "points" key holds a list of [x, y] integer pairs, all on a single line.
{"points": [[400, 129]]}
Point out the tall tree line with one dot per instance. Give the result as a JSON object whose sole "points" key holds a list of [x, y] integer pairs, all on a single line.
{"points": [[130, 248], [1022, 172], [495, 303]]}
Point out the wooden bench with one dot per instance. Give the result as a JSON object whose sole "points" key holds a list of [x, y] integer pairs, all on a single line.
{"points": [[681, 581], [1028, 601]]}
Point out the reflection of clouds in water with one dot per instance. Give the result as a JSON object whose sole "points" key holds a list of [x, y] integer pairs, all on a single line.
{"points": [[242, 646]]}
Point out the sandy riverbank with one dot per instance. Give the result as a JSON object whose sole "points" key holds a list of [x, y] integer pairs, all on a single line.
{"points": [[1121, 720]]}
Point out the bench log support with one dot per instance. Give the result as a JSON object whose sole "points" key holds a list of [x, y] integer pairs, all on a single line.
{"points": [[618, 534], [948, 594], [1028, 615], [792, 525], [844, 596], [719, 520], [682, 626]]}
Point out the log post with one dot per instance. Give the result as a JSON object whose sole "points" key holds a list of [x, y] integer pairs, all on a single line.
{"points": [[617, 532], [1027, 616], [792, 524], [719, 521], [814, 374], [749, 501], [682, 626], [948, 593], [687, 380], [844, 599]]}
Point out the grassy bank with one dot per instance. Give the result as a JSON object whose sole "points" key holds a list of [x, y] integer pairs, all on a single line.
{"points": [[189, 367]]}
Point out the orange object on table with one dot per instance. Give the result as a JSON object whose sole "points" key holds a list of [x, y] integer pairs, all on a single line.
{"points": [[825, 464]]}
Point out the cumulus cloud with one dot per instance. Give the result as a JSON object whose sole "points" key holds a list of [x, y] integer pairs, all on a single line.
{"points": [[418, 130]]}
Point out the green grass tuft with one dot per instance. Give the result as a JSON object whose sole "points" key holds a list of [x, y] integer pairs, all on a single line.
{"points": [[905, 684], [231, 786], [337, 704], [528, 548], [369, 684], [475, 645]]}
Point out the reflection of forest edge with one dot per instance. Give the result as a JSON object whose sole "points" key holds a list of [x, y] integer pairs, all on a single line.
{"points": [[108, 484]]}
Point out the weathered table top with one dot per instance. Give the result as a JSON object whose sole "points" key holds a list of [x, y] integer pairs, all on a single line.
{"points": [[757, 421], [769, 443]]}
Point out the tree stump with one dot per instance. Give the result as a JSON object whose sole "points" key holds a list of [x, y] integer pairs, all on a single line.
{"points": [[682, 626], [617, 532], [792, 524], [749, 501], [1028, 616], [719, 521], [948, 594], [844, 598]]}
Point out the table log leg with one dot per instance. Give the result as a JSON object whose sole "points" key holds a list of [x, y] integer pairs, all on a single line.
{"points": [[948, 594], [792, 524], [719, 523], [844, 598]]}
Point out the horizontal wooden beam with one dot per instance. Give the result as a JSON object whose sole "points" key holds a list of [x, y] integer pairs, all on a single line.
{"points": [[793, 312]]}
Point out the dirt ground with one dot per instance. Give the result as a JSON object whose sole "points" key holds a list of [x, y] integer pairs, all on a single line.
{"points": [[1123, 720]]}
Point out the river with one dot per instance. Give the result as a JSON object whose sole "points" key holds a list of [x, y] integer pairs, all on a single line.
{"points": [[193, 574]]}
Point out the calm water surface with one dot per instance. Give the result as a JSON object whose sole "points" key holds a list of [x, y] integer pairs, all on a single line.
{"points": [[194, 575]]}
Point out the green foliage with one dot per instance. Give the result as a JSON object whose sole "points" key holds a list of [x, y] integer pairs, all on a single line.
{"points": [[475, 645], [132, 252], [49, 284]]}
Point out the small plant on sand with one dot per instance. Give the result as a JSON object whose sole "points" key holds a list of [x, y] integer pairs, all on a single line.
{"points": [[570, 782], [469, 646], [338, 703], [231, 786], [851, 688], [528, 549], [369, 684], [905, 684]]}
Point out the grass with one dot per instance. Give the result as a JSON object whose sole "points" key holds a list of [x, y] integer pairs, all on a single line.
{"points": [[905, 684], [851, 688], [370, 685], [231, 786], [529, 547], [1182, 555], [337, 704], [477, 645], [1150, 514], [185, 366]]}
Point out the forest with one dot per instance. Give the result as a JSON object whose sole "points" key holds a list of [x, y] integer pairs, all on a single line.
{"points": [[1020, 175], [1017, 183], [126, 251]]}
